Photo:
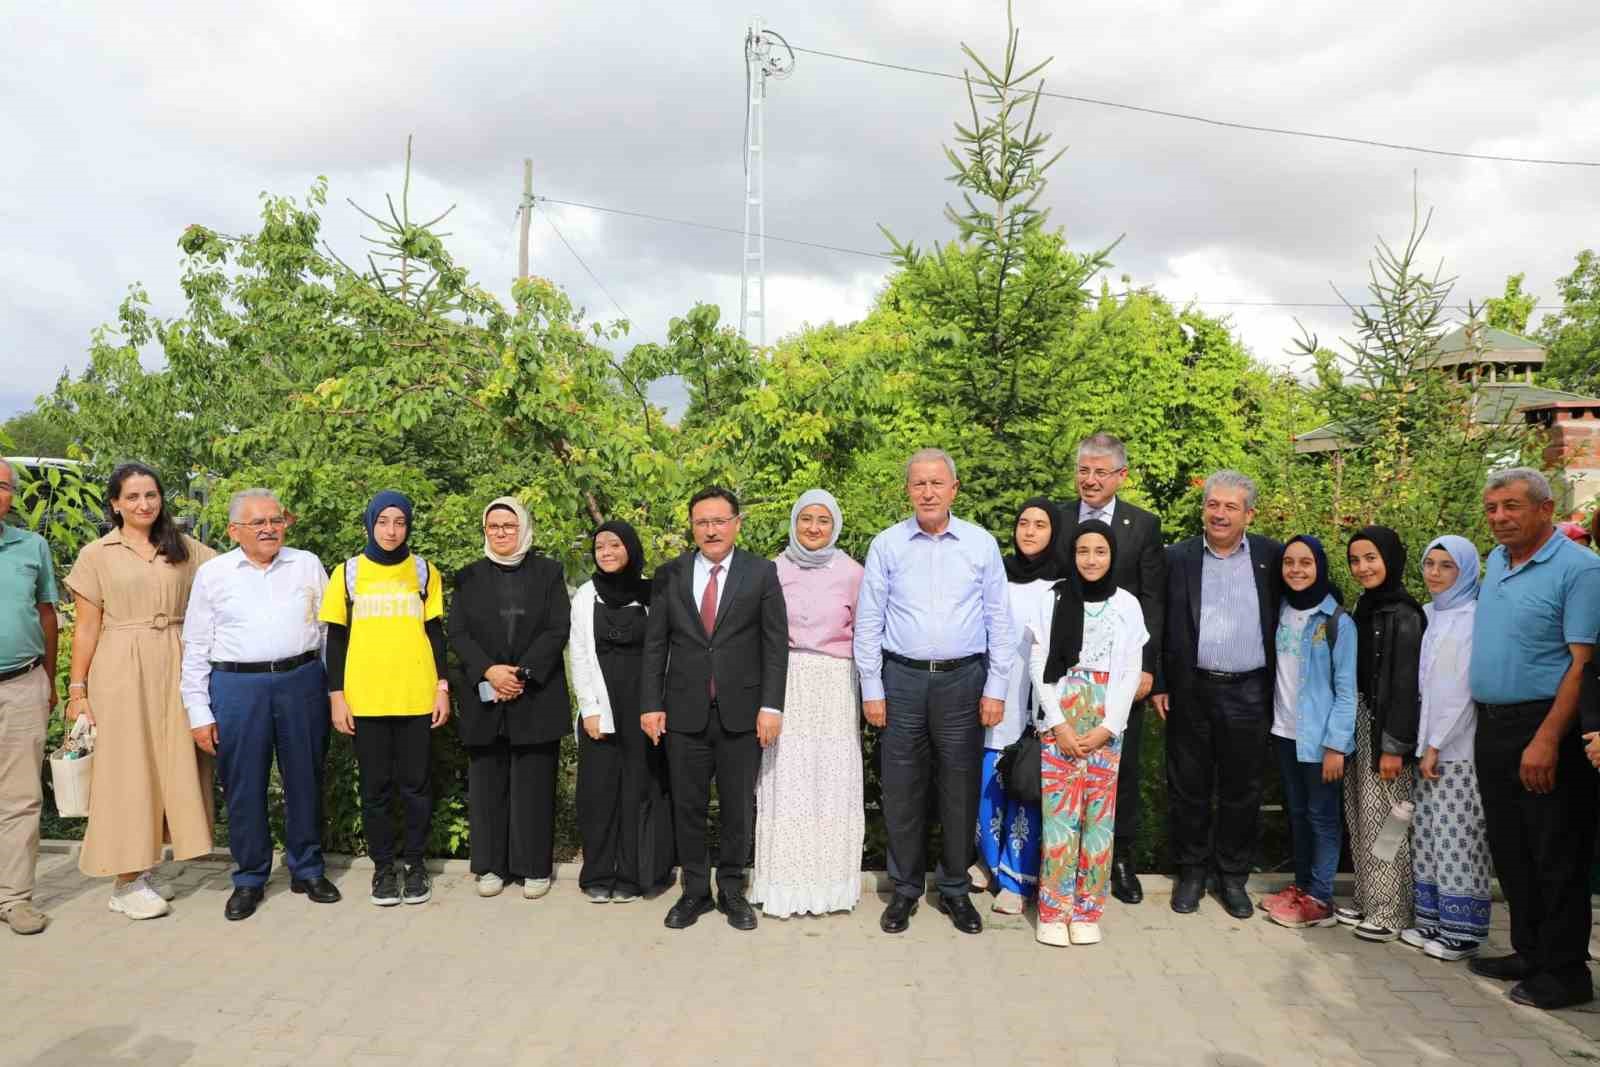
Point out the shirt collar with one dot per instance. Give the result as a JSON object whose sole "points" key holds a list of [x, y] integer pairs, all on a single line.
{"points": [[10, 533], [1242, 546], [703, 565], [1085, 509], [240, 560], [952, 529]]}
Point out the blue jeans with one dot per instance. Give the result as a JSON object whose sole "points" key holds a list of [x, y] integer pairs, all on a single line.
{"points": [[1314, 812]]}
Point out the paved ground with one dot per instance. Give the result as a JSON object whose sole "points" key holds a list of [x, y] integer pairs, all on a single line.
{"points": [[466, 981]]}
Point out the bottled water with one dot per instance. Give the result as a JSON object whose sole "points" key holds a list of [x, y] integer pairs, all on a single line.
{"points": [[1393, 834]]}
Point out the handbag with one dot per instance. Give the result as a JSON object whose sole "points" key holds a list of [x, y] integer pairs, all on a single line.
{"points": [[71, 769], [1018, 768]]}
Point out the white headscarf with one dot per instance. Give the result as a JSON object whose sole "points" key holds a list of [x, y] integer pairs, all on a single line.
{"points": [[800, 555], [524, 524]]}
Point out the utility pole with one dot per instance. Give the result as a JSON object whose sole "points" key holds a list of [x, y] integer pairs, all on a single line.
{"points": [[527, 217], [761, 63]]}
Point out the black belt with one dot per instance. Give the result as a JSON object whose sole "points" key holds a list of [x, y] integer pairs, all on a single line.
{"points": [[277, 666], [1230, 676], [932, 666], [20, 671], [1516, 711]]}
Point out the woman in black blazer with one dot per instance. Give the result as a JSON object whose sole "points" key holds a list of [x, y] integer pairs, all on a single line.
{"points": [[508, 624]]}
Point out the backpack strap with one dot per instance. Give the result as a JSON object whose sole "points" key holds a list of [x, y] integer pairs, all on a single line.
{"points": [[1333, 627], [422, 577], [350, 580]]}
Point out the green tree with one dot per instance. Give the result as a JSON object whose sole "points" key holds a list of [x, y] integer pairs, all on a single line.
{"points": [[1510, 310], [1572, 335], [34, 433]]}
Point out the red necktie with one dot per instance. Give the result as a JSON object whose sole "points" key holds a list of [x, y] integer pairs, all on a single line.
{"points": [[708, 617]]}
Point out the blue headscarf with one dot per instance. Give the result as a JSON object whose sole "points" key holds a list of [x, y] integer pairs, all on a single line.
{"points": [[389, 498], [1313, 594], [1465, 555]]}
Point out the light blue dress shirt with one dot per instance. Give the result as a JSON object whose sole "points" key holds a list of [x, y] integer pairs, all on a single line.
{"points": [[1527, 616], [926, 597], [1230, 612]]}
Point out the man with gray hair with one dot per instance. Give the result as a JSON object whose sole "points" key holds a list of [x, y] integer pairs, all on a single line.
{"points": [[27, 691], [1215, 692], [933, 649], [1534, 634], [253, 684]]}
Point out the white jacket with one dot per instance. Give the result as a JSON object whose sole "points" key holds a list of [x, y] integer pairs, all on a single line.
{"points": [[588, 683], [1123, 659]]}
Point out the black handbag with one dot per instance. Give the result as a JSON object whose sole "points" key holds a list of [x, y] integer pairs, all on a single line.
{"points": [[1018, 768]]}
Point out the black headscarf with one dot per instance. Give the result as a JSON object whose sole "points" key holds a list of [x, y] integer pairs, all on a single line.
{"points": [[389, 498], [1048, 563], [629, 584], [1393, 589], [1313, 594], [1072, 593]]}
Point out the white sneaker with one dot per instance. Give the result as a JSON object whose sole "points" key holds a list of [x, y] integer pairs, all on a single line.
{"points": [[1054, 934], [1084, 933], [137, 900], [1349, 916], [489, 885], [1417, 937], [1450, 950], [619, 896], [534, 888], [158, 886], [1007, 903]]}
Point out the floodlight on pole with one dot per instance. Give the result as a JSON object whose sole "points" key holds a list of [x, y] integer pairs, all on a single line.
{"points": [[766, 55]]}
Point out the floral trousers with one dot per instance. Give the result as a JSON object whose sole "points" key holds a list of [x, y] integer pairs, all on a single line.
{"points": [[1080, 810]]}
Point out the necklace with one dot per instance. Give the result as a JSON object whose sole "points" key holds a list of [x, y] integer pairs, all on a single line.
{"points": [[1096, 614]]}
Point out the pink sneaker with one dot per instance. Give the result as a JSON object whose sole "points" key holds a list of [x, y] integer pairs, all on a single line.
{"points": [[1282, 896], [1305, 910]]}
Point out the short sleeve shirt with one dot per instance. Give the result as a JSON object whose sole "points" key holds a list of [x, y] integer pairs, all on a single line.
{"points": [[389, 667], [1527, 616], [27, 579]]}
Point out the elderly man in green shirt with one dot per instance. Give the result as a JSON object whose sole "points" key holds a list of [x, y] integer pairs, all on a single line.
{"points": [[27, 666]]}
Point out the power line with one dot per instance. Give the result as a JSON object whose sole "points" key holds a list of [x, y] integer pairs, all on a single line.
{"points": [[1282, 131], [884, 255], [592, 276]]}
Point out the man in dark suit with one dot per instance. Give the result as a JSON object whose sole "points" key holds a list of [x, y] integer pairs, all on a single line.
{"points": [[1141, 569], [715, 663], [1214, 690]]}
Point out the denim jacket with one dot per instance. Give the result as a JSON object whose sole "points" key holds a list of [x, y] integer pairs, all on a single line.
{"points": [[1325, 707]]}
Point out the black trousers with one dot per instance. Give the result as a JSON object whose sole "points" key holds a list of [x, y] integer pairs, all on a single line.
{"points": [[624, 820], [1217, 741], [511, 808], [1129, 798], [933, 739], [392, 752], [1540, 843], [693, 760]]}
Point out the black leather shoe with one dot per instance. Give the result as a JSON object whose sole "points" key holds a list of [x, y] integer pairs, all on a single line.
{"points": [[1235, 901], [318, 890], [687, 911], [1549, 993], [1508, 968], [741, 916], [1125, 883], [242, 903], [1187, 893], [897, 916], [963, 916]]}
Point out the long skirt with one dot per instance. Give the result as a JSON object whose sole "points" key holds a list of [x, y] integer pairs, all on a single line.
{"points": [[810, 819], [1450, 854], [1007, 833], [1383, 890], [1080, 810]]}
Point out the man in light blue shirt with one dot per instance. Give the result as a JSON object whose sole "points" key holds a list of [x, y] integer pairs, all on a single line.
{"points": [[931, 609], [1534, 634]]}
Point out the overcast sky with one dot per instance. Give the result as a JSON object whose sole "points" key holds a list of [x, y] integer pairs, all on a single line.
{"points": [[123, 123]]}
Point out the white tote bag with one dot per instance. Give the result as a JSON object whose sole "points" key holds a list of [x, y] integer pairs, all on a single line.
{"points": [[71, 767]]}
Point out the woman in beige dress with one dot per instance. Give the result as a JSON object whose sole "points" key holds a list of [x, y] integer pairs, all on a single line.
{"points": [[150, 784]]}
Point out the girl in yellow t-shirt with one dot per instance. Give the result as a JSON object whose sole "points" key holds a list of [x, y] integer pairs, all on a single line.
{"points": [[386, 681]]}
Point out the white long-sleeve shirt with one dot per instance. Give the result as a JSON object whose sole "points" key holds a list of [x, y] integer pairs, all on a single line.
{"points": [[1449, 718], [1021, 697], [1112, 642], [241, 613]]}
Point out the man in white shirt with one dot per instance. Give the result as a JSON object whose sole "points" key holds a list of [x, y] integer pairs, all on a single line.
{"points": [[253, 685]]}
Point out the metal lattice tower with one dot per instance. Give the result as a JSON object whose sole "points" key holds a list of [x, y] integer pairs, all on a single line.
{"points": [[761, 62]]}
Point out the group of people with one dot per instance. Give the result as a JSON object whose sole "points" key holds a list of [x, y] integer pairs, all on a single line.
{"points": [[752, 674]]}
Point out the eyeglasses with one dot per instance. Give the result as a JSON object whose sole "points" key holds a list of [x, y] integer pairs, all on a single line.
{"points": [[1099, 472], [498, 528], [714, 524], [277, 522]]}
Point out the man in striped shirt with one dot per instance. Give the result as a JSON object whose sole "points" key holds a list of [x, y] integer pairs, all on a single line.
{"points": [[1215, 692]]}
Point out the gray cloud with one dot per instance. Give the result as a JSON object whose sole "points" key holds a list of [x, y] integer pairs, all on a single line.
{"points": [[126, 124]]}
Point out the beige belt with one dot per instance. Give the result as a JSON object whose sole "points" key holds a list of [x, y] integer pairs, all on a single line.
{"points": [[159, 621]]}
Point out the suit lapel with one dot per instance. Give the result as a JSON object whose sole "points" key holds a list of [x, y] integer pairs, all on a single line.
{"points": [[685, 583], [1196, 561], [733, 580], [1262, 567]]}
